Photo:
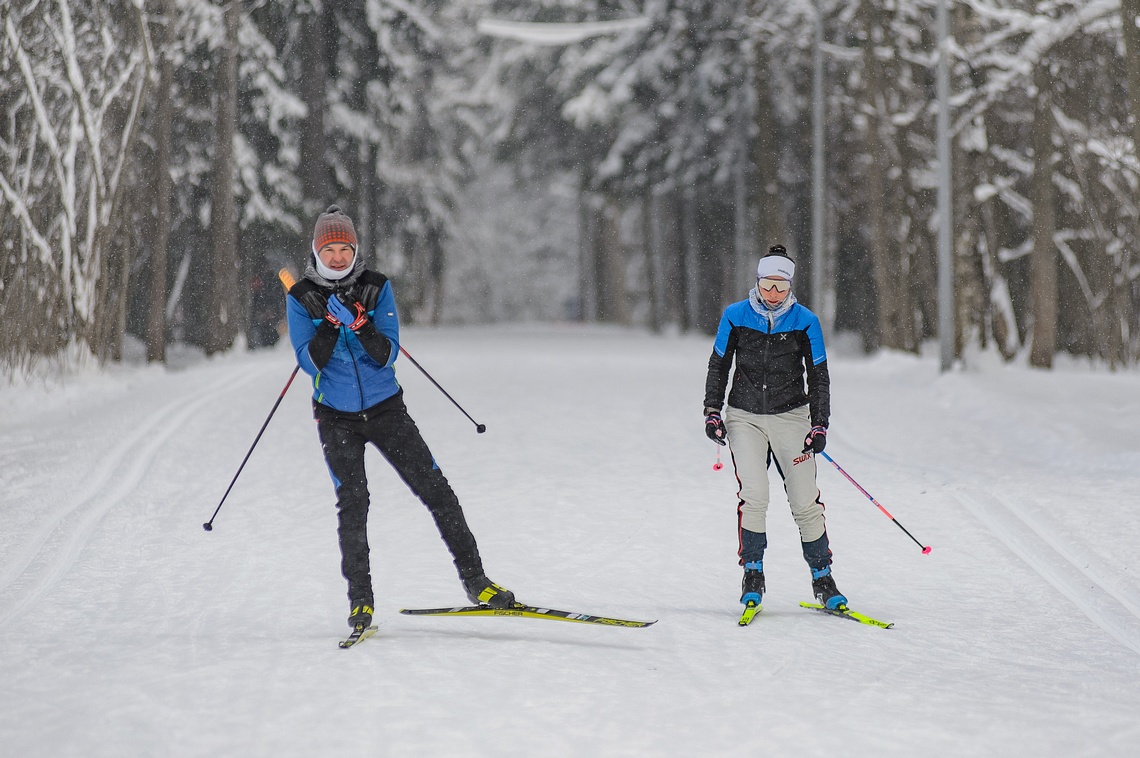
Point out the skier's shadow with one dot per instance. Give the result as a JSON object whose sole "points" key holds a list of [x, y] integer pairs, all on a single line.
{"points": [[550, 637]]}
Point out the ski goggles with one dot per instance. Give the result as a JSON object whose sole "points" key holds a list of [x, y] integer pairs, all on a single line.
{"points": [[768, 284]]}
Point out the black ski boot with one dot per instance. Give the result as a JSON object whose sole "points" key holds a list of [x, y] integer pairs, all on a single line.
{"points": [[482, 591], [823, 585], [752, 587], [360, 615]]}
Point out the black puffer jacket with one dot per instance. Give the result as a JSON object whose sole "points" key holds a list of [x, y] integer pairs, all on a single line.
{"points": [[772, 362]]}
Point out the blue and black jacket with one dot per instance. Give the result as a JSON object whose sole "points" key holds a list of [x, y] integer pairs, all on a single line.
{"points": [[773, 357], [352, 371]]}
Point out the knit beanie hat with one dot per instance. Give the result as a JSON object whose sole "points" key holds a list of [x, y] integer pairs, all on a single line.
{"points": [[776, 263], [334, 227]]}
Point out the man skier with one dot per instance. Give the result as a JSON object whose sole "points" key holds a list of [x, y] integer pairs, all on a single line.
{"points": [[776, 342], [345, 332]]}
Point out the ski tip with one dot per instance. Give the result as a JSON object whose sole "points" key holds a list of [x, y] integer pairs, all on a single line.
{"points": [[355, 637], [750, 611]]}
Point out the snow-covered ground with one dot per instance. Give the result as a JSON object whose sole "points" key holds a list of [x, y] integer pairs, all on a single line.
{"points": [[126, 630]]}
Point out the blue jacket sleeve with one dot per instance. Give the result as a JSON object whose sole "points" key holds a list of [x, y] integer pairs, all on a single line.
{"points": [[818, 377], [815, 336], [387, 322], [720, 345], [301, 333], [720, 363]]}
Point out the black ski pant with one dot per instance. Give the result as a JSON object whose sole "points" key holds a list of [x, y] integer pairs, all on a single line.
{"points": [[388, 426]]}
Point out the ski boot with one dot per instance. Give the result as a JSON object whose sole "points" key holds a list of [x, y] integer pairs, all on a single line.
{"points": [[482, 591], [752, 587], [823, 585], [360, 617]]}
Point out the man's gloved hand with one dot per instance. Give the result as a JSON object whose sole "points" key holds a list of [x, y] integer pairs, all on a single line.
{"points": [[714, 428], [816, 440], [353, 316]]}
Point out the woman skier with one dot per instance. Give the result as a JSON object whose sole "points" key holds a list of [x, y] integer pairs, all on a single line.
{"points": [[777, 344]]}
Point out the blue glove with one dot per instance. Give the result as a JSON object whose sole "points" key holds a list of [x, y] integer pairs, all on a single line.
{"points": [[815, 440], [341, 314]]}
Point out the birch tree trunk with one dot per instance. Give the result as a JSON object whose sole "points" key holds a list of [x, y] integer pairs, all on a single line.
{"points": [[613, 300], [1130, 21], [654, 260], [223, 319], [61, 181], [881, 251], [315, 171], [587, 257], [691, 252], [671, 253], [163, 186], [892, 291], [1043, 265]]}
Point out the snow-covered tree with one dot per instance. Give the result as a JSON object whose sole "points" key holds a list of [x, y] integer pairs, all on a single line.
{"points": [[684, 128], [75, 77]]}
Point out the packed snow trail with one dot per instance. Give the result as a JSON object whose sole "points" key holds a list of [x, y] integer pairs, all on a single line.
{"points": [[127, 630]]}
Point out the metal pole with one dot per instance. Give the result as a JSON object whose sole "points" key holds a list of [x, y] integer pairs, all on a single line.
{"points": [[945, 211], [818, 244], [740, 265]]}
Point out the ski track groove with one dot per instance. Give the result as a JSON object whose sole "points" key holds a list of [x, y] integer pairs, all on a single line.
{"points": [[1106, 608], [1112, 602], [114, 481]]}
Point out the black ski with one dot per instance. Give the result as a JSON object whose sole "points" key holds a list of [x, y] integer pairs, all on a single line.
{"points": [[526, 611]]}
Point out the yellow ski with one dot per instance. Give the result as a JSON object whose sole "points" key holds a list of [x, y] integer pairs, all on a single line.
{"points": [[844, 612]]}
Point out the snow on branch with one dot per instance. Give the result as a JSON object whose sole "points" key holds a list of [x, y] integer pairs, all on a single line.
{"points": [[557, 34], [85, 93], [1044, 34]]}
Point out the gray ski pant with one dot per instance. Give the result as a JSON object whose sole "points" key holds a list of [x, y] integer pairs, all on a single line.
{"points": [[756, 439]]}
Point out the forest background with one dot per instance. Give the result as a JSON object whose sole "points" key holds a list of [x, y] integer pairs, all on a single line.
{"points": [[161, 159]]}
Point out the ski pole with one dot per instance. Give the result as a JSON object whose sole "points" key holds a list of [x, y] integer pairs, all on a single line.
{"points": [[209, 525], [480, 428], [925, 548], [287, 282]]}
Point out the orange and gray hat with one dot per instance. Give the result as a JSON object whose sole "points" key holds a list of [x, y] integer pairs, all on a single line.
{"points": [[334, 227]]}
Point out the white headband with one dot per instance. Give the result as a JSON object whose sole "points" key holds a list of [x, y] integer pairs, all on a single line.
{"points": [[776, 265]]}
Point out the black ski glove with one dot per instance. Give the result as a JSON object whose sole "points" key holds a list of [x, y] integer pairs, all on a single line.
{"points": [[714, 428], [816, 440]]}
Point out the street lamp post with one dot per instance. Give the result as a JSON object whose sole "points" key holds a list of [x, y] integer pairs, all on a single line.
{"points": [[819, 192]]}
